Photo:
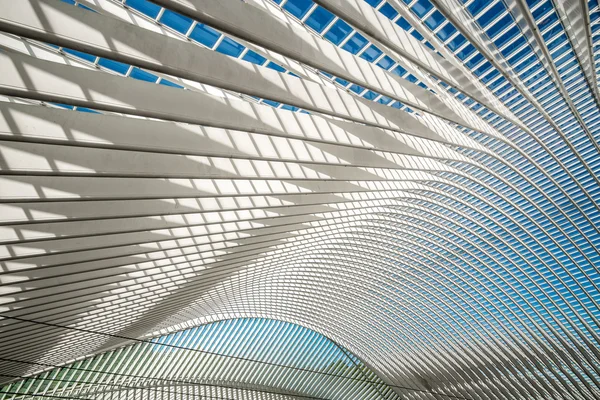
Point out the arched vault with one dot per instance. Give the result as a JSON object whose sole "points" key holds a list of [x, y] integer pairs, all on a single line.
{"points": [[416, 180]]}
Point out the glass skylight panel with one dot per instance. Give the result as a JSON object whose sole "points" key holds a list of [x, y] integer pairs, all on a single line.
{"points": [[254, 57], [145, 7], [275, 67], [230, 47], [387, 10], [435, 20], [319, 19], [355, 43], [115, 66], [80, 54], [196, 31], [298, 8], [480, 8], [338, 32], [205, 35], [370, 95], [140, 74], [176, 21], [385, 62], [421, 7], [371, 53]]}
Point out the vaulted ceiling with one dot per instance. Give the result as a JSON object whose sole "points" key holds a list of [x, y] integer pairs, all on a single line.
{"points": [[417, 181]]}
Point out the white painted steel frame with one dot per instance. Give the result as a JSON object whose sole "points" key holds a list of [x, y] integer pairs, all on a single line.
{"points": [[450, 242]]}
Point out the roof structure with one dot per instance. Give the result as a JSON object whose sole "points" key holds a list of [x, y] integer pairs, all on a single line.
{"points": [[232, 359], [281, 199]]}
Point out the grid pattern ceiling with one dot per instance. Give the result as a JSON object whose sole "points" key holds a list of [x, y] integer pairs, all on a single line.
{"points": [[237, 359], [416, 180]]}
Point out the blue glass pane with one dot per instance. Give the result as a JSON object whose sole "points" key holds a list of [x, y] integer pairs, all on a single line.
{"points": [[254, 57], [176, 21], [388, 11], [384, 100], [338, 32], [483, 69], [531, 71], [275, 67], [289, 108], [541, 10], [356, 42], [491, 14], [557, 42], [205, 35], [489, 77], [399, 70], [466, 52], [371, 53], [169, 83], [417, 35], [474, 61], [403, 23], [271, 103], [567, 66], [434, 20], [559, 51], [141, 75], [319, 19], [506, 37], [422, 7], [114, 65], [370, 95], [499, 26], [61, 105], [447, 31], [547, 21], [230, 47], [80, 54], [455, 43], [144, 6], [357, 89], [87, 110], [513, 46], [298, 8], [476, 6], [386, 62]]}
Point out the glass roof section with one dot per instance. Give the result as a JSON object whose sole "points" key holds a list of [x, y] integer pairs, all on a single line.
{"points": [[249, 358], [189, 29]]}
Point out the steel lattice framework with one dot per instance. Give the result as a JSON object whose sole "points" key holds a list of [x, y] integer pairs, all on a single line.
{"points": [[418, 181], [242, 358]]}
